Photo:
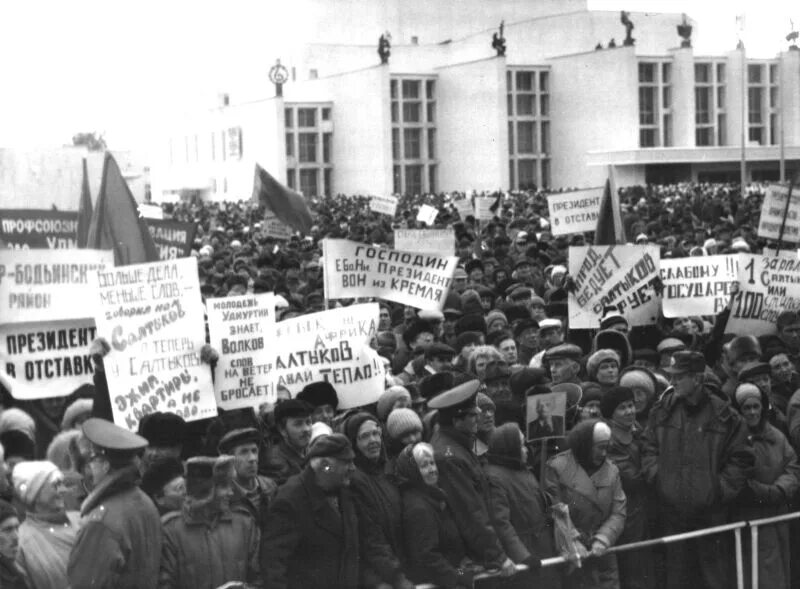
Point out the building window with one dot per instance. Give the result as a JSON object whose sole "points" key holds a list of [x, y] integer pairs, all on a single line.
{"points": [[327, 184], [288, 117], [308, 182], [290, 144], [326, 148], [306, 117], [213, 147], [307, 147], [413, 111], [291, 175], [655, 103], [709, 103], [326, 114], [528, 125]]}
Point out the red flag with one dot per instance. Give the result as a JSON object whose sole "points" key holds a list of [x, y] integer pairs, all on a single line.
{"points": [[609, 229], [84, 210], [116, 223], [289, 206]]}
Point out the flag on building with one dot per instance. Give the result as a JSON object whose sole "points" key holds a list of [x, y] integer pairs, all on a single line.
{"points": [[116, 223], [609, 222], [289, 206], [84, 210]]}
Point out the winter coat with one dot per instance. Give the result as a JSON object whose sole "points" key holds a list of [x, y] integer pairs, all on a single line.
{"points": [[625, 452], [119, 543], [282, 462], [773, 483], [44, 548], [695, 456], [201, 554], [463, 480], [306, 543], [433, 543]]}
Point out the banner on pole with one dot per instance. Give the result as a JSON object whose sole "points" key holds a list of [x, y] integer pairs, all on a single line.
{"points": [[427, 214], [49, 285], [483, 208], [173, 239], [47, 359], [354, 270], [149, 211], [575, 211], [333, 346], [35, 229], [385, 205], [464, 208], [152, 315], [772, 210], [767, 287], [698, 285], [620, 276], [242, 330], [437, 241]]}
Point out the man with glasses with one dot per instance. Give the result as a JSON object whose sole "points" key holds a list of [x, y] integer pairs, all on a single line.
{"points": [[695, 456], [460, 473]]}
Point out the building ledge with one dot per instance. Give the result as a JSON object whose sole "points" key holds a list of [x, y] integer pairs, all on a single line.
{"points": [[689, 155]]}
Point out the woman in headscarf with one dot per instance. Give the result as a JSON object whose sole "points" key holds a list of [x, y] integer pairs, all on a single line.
{"points": [[436, 552], [518, 507], [378, 503], [585, 481], [772, 483], [48, 532]]}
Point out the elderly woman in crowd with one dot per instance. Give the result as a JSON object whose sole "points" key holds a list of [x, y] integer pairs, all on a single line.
{"points": [[585, 481], [48, 532], [771, 484], [519, 511], [378, 505], [603, 368]]}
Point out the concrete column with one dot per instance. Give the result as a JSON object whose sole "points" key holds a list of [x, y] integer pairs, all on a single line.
{"points": [[736, 75], [790, 96], [683, 107]]}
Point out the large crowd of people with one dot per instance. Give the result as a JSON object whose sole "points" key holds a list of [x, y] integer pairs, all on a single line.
{"points": [[466, 463]]}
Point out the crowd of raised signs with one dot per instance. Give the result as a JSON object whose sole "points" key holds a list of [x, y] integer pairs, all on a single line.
{"points": [[503, 437]]}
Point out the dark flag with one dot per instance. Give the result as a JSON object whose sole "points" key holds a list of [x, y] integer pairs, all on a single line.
{"points": [[609, 229], [116, 223], [289, 206], [84, 210]]}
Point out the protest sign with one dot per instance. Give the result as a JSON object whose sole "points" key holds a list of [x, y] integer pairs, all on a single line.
{"points": [[437, 241], [620, 276], [575, 211], [47, 359], [355, 270], [332, 346], [767, 286], [152, 316], [150, 211], [386, 205], [772, 211], [275, 228], [464, 208], [242, 330], [698, 285], [49, 285], [31, 228], [545, 415], [172, 238], [483, 208], [771, 252], [427, 214]]}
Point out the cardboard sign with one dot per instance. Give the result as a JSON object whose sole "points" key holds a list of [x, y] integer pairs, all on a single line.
{"points": [[437, 241], [47, 359], [464, 208], [275, 228], [698, 285], [30, 228], [772, 210], [242, 330], [483, 208], [386, 205], [618, 276], [767, 287], [574, 212], [49, 285], [172, 238], [354, 270], [427, 214], [152, 315], [151, 211]]}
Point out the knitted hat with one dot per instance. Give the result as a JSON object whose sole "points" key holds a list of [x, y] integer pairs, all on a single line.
{"points": [[159, 473], [743, 392], [319, 428], [389, 397], [78, 409], [496, 315], [613, 398], [471, 303], [402, 422], [596, 359], [638, 379], [353, 423], [484, 402], [29, 478], [601, 432]]}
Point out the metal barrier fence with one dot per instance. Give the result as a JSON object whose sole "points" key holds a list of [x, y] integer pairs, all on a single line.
{"points": [[735, 527]]}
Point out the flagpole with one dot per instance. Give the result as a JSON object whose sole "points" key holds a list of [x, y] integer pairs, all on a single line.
{"points": [[782, 166], [616, 213], [743, 162]]}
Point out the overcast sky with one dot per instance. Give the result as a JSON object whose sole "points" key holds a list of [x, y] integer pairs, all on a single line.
{"points": [[124, 67]]}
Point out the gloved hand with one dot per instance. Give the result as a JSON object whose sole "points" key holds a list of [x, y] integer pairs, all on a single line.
{"points": [[598, 548], [208, 355], [98, 350], [508, 568]]}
